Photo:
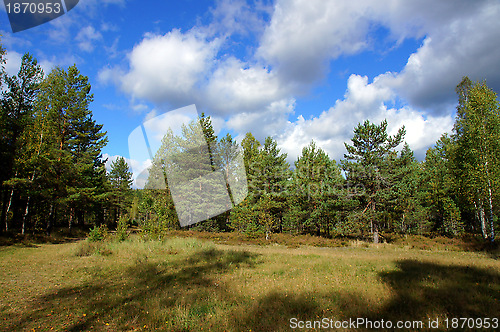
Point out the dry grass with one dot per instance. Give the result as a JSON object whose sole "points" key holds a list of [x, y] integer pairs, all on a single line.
{"points": [[189, 284]]}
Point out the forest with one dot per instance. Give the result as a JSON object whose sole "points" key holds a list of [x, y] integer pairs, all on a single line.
{"points": [[53, 174]]}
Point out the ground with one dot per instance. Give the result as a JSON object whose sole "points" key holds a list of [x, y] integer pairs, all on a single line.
{"points": [[217, 283]]}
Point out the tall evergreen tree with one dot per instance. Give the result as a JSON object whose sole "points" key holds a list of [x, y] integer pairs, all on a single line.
{"points": [[367, 164], [408, 195], [75, 143], [120, 178], [17, 113], [250, 147], [313, 193], [268, 178], [441, 188]]}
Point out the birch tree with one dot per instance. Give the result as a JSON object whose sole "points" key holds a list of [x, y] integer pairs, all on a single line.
{"points": [[477, 157]]}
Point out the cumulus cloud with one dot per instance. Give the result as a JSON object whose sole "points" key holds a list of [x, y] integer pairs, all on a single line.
{"points": [[232, 88], [269, 122], [181, 68], [362, 101], [304, 36], [167, 68], [465, 46], [296, 50]]}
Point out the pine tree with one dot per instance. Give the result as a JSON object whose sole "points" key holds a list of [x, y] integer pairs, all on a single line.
{"points": [[367, 164], [75, 142], [17, 112], [407, 194], [441, 188], [250, 147], [120, 178], [314, 190], [268, 176]]}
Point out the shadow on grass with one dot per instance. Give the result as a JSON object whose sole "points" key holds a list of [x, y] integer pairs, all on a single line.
{"points": [[421, 291], [429, 289], [150, 294], [136, 298], [58, 236]]}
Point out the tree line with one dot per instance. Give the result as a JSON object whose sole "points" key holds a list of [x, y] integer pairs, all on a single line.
{"points": [[52, 171], [378, 188], [53, 174]]}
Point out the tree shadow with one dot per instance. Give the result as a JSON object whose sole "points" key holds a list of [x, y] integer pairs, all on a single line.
{"points": [[424, 289], [123, 302], [58, 236], [421, 291]]}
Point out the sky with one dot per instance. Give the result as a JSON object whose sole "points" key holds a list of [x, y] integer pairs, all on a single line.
{"points": [[296, 70]]}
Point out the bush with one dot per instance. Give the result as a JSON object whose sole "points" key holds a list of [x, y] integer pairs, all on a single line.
{"points": [[121, 229], [98, 233]]}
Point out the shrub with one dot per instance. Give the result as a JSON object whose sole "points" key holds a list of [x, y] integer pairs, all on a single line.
{"points": [[98, 233], [121, 229]]}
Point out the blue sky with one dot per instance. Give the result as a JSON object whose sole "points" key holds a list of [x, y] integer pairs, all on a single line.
{"points": [[296, 70]]}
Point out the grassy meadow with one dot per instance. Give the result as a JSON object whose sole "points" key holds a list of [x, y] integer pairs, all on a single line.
{"points": [[216, 283]]}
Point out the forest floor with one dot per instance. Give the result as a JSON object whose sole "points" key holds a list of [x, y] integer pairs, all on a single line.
{"points": [[198, 281]]}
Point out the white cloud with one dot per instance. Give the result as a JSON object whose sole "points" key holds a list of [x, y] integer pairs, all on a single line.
{"points": [[269, 122], [13, 62], [60, 31], [181, 69], [87, 38], [9, 40], [304, 36], [466, 46], [238, 17], [133, 165], [168, 68], [297, 48], [362, 101], [232, 88]]}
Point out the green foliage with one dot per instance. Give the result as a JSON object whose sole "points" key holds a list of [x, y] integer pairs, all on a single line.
{"points": [[120, 179], [17, 108], [98, 233], [268, 175], [154, 228], [407, 197], [440, 186], [452, 224], [52, 172], [314, 193], [122, 228], [369, 162], [476, 156]]}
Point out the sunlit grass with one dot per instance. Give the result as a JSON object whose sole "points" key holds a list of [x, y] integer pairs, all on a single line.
{"points": [[189, 284]]}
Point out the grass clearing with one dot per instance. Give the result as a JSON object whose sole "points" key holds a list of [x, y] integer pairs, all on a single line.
{"points": [[190, 284]]}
